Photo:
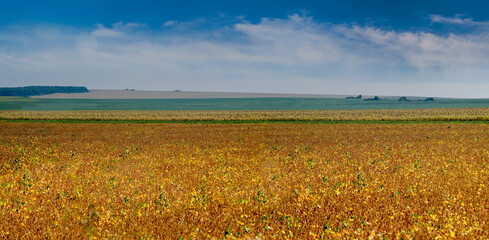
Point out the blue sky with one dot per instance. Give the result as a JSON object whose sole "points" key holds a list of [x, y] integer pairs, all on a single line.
{"points": [[378, 47]]}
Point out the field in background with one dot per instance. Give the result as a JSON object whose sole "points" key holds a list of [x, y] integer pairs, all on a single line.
{"points": [[231, 104], [203, 181], [455, 114], [132, 94]]}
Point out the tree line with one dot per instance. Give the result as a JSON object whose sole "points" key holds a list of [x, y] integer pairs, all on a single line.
{"points": [[40, 90]]}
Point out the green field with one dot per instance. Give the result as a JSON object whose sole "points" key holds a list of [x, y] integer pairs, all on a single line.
{"points": [[14, 103]]}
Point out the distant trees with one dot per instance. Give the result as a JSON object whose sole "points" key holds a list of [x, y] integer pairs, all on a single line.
{"points": [[357, 97], [372, 99], [366, 99], [40, 90], [401, 99]]}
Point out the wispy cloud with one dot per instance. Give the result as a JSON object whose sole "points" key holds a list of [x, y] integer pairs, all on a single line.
{"points": [[116, 30], [170, 23], [457, 19], [105, 32], [295, 54]]}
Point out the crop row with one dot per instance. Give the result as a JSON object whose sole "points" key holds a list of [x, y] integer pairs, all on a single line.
{"points": [[454, 114]]}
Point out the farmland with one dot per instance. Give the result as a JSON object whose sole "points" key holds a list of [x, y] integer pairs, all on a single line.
{"points": [[260, 180], [383, 115], [249, 104]]}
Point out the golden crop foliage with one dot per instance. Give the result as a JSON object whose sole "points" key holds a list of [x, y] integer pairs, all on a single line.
{"points": [[244, 181], [454, 114]]}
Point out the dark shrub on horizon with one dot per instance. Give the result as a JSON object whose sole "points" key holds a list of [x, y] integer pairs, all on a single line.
{"points": [[376, 98]]}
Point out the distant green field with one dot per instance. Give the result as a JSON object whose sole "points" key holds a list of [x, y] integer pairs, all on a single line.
{"points": [[16, 103]]}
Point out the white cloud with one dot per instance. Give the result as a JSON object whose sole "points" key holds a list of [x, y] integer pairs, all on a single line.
{"points": [[458, 19], [133, 24], [102, 31], [296, 54], [170, 23]]}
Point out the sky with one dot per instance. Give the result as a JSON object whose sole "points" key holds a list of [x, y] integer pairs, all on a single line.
{"points": [[370, 47]]}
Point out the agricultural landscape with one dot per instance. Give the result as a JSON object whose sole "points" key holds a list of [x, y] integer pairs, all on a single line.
{"points": [[318, 174], [251, 120]]}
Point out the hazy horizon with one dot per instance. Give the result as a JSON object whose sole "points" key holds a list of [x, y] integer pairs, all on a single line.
{"points": [[415, 48]]}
